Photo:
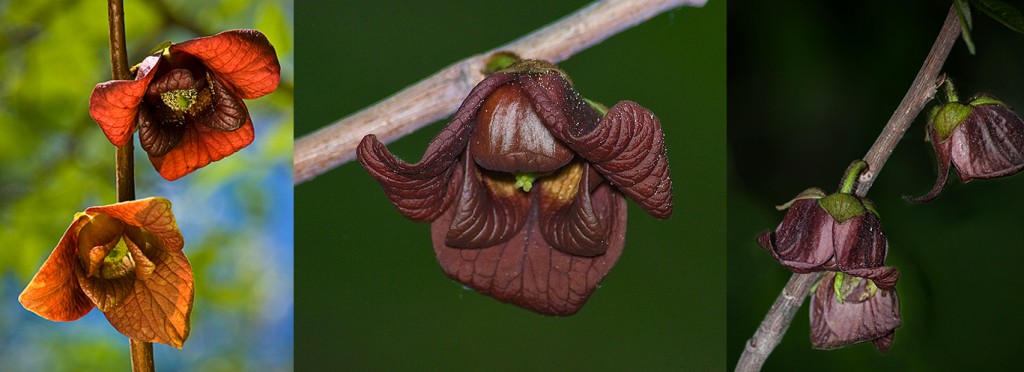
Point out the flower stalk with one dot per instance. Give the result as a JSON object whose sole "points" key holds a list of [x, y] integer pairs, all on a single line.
{"points": [[124, 161]]}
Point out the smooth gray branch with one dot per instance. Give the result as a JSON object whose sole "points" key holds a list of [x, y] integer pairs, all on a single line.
{"points": [[778, 319], [439, 95]]}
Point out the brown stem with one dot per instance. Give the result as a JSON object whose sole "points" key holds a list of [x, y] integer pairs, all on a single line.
{"points": [[437, 96], [124, 161], [778, 319]]}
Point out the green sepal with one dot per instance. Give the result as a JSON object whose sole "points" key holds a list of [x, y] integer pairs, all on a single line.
{"points": [[947, 117], [500, 61], [985, 99], [842, 206]]}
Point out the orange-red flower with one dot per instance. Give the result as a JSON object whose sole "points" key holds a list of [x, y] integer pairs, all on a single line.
{"points": [[186, 100], [126, 260]]}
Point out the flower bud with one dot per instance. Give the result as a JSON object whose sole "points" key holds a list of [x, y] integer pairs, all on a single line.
{"points": [[846, 310]]}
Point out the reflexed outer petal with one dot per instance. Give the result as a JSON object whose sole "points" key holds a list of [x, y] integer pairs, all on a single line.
{"points": [[860, 242], [243, 58], [627, 146], [423, 191], [989, 144], [942, 159], [227, 112], [114, 104], [835, 325], [199, 147], [803, 242], [569, 218], [54, 292], [526, 271], [487, 212]]}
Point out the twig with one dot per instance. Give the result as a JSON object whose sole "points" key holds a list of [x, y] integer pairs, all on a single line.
{"points": [[124, 162], [778, 319], [437, 96]]}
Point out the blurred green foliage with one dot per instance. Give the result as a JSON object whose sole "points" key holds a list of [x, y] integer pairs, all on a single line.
{"points": [[809, 95], [54, 161], [369, 291]]}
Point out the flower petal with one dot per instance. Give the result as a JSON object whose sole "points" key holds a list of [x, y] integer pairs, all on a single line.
{"points": [[422, 191], [487, 211], [114, 104], [157, 309], [199, 147], [803, 242], [152, 215], [243, 58], [568, 215], [226, 113], [835, 325], [860, 242], [989, 144], [627, 145], [54, 292], [156, 138], [942, 160], [526, 271]]}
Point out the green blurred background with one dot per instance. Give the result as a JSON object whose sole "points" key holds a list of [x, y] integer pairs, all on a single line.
{"points": [[369, 292], [235, 215], [811, 84]]}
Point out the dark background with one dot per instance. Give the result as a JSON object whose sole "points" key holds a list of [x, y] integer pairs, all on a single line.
{"points": [[369, 292], [811, 84]]}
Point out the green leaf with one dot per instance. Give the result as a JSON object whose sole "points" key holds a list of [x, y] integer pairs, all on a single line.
{"points": [[964, 12], [1002, 12]]}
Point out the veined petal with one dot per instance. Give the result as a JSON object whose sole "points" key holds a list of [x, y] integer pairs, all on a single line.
{"points": [[989, 144], [835, 325], [157, 138], [526, 271], [226, 113], [422, 191], [199, 147], [487, 211], [157, 309], [114, 104], [568, 215], [942, 160], [803, 242], [245, 59], [54, 292], [626, 146], [860, 243], [152, 215]]}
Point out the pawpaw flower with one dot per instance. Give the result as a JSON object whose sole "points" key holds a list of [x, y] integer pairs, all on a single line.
{"points": [[846, 310], [524, 187], [983, 139], [838, 232], [186, 100], [126, 260]]}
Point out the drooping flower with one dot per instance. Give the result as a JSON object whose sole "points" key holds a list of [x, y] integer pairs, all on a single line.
{"points": [[983, 139], [838, 232], [525, 186], [186, 100], [125, 259], [846, 310]]}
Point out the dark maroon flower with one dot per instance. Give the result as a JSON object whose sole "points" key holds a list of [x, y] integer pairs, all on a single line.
{"points": [[846, 310], [186, 100], [983, 139], [837, 232], [525, 186]]}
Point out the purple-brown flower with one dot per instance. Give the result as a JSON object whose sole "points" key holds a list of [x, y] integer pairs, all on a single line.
{"points": [[525, 186], [838, 232], [846, 310], [983, 139]]}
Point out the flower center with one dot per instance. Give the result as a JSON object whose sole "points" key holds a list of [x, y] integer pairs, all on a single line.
{"points": [[525, 180], [118, 263], [180, 100]]}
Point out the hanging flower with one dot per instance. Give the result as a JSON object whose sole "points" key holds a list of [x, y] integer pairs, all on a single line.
{"points": [[186, 100], [525, 186], [846, 310], [982, 139], [125, 259]]}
